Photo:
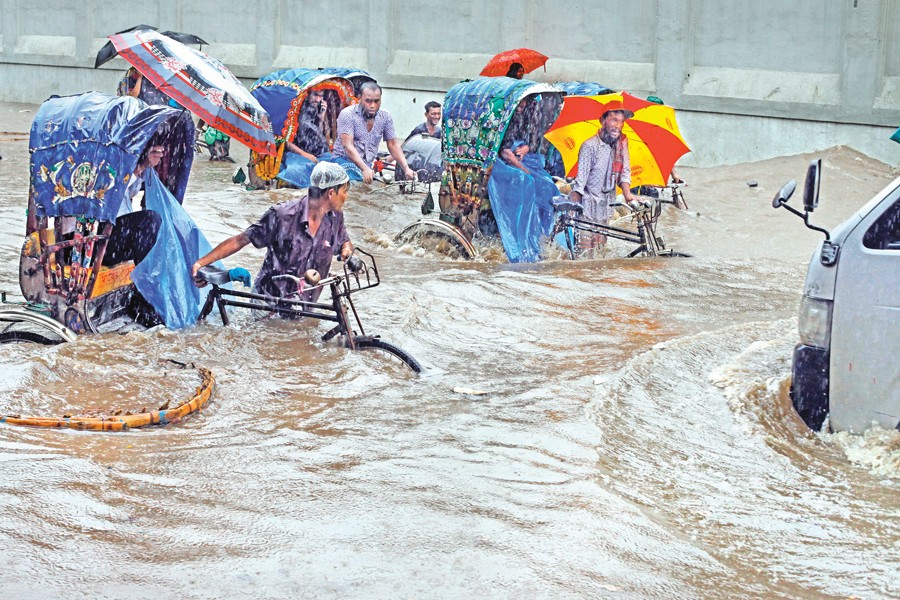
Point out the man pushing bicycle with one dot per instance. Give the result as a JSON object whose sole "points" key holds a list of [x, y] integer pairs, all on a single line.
{"points": [[298, 235]]}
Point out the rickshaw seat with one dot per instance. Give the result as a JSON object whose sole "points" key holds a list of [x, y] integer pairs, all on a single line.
{"points": [[563, 204], [214, 275]]}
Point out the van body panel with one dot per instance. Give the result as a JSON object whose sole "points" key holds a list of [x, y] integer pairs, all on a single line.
{"points": [[819, 278], [864, 365]]}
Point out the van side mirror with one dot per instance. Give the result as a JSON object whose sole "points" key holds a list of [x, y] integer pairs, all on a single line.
{"points": [[810, 198], [784, 194], [811, 188]]}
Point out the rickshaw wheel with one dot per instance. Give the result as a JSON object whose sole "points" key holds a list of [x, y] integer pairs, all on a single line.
{"points": [[439, 236], [376, 343]]}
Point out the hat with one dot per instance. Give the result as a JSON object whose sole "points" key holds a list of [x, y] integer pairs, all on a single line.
{"points": [[655, 100], [628, 114], [327, 175]]}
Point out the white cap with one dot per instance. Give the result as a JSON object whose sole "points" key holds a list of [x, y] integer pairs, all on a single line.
{"points": [[328, 174]]}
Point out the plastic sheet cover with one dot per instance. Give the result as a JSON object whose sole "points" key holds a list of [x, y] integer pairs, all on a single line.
{"points": [[521, 205], [163, 278]]}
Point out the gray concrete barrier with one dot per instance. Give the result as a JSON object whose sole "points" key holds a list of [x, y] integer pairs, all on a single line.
{"points": [[749, 80]]}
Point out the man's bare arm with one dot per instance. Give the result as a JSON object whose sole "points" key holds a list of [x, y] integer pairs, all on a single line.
{"points": [[397, 152], [220, 252]]}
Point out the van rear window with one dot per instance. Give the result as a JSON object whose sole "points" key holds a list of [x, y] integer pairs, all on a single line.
{"points": [[884, 234]]}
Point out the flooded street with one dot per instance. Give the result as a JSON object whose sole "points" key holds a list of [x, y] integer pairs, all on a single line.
{"points": [[632, 434]]}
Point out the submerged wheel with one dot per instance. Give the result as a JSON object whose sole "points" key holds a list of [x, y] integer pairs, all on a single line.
{"points": [[439, 235], [375, 343], [21, 324], [16, 337]]}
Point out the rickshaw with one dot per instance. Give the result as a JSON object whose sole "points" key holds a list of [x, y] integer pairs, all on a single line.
{"points": [[476, 116], [481, 196], [84, 150], [284, 94]]}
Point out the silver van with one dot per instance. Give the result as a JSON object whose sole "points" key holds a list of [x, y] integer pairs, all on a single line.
{"points": [[847, 365]]}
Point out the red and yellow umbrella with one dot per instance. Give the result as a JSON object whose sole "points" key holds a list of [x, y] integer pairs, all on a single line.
{"points": [[654, 141], [528, 58]]}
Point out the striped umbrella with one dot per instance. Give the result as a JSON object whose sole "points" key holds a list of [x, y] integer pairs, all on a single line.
{"points": [[200, 83], [654, 141]]}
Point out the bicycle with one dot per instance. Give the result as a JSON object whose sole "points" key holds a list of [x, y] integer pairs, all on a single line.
{"points": [[358, 275], [645, 214], [666, 194]]}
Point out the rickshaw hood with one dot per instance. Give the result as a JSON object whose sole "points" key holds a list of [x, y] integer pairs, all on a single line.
{"points": [[477, 113], [84, 150], [281, 93]]}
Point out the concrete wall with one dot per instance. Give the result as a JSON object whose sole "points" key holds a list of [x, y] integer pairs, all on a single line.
{"points": [[751, 80]]}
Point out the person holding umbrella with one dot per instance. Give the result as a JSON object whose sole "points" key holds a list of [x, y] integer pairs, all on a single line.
{"points": [[133, 84], [516, 71], [603, 163]]}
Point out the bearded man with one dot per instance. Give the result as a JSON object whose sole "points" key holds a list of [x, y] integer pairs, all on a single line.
{"points": [[603, 164]]}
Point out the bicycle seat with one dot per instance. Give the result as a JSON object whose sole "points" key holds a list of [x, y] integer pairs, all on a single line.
{"points": [[563, 204], [214, 275]]}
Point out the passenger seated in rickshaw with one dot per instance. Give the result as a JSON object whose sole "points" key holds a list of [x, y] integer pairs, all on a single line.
{"points": [[519, 187], [135, 85], [135, 231], [310, 141], [515, 143]]}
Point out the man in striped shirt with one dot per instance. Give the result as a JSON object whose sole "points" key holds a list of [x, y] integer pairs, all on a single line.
{"points": [[603, 163], [361, 128]]}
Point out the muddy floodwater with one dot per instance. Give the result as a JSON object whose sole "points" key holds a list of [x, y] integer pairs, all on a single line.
{"points": [[605, 428]]}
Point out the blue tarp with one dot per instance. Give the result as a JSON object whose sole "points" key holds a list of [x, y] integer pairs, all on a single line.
{"points": [[83, 148], [163, 278], [296, 169], [521, 205]]}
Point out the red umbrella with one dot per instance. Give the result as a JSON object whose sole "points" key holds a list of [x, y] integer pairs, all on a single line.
{"points": [[499, 65]]}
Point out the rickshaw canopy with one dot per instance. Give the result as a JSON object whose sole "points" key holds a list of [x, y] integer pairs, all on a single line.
{"points": [[477, 113], [356, 76], [582, 88], [283, 92], [85, 148]]}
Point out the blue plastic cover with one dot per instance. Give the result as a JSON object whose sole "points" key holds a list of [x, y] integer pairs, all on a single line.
{"points": [[521, 205], [84, 149], [163, 278]]}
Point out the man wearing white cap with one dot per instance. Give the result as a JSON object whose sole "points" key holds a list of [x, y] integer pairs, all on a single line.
{"points": [[299, 234]]}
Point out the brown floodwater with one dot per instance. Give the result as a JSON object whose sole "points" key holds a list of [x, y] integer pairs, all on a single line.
{"points": [[631, 435]]}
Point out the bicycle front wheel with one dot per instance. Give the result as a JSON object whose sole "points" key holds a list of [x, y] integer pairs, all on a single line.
{"points": [[376, 343]]}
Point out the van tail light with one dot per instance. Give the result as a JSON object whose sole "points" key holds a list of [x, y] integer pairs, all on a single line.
{"points": [[815, 322]]}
